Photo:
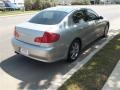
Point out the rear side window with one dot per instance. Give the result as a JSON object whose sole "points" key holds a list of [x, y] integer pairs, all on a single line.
{"points": [[78, 15], [48, 17]]}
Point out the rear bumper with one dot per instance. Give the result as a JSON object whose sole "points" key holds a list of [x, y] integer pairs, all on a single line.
{"points": [[44, 54]]}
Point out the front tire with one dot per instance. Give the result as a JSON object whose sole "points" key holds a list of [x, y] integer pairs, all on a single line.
{"points": [[74, 51], [106, 31]]}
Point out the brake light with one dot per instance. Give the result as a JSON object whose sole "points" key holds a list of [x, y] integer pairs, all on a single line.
{"points": [[16, 34], [47, 38]]}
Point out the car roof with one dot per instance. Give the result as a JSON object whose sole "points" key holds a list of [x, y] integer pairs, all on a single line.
{"points": [[67, 9]]}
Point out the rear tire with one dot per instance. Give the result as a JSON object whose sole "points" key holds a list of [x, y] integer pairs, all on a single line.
{"points": [[74, 50], [106, 30]]}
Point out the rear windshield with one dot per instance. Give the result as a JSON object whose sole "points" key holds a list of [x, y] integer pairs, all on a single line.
{"points": [[48, 17]]}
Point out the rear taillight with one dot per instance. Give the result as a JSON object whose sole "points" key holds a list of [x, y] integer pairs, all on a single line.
{"points": [[47, 38], [16, 34]]}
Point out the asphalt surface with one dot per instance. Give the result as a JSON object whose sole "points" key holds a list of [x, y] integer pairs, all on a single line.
{"points": [[19, 72]]}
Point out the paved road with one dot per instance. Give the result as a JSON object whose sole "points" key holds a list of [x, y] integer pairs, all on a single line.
{"points": [[19, 72]]}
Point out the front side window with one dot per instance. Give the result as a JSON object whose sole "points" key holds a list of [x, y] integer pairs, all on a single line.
{"points": [[91, 15], [48, 17]]}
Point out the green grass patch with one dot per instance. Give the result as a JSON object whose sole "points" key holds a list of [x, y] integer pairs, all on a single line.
{"points": [[93, 75], [3, 13]]}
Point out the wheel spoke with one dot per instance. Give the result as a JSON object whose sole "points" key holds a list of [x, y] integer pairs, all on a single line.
{"points": [[75, 50]]}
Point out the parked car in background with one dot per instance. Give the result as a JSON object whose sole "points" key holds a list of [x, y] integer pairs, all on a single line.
{"points": [[2, 6], [10, 6], [58, 33], [18, 3], [7, 5]]}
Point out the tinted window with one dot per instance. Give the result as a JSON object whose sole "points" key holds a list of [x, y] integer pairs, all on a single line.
{"points": [[78, 15], [91, 15], [48, 17]]}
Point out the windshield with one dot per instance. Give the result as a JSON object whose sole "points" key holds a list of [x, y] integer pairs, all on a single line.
{"points": [[48, 17]]}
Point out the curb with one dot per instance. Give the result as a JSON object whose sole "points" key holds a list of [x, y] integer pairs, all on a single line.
{"points": [[113, 82]]}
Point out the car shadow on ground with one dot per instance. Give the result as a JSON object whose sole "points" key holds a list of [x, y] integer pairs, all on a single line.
{"points": [[38, 75]]}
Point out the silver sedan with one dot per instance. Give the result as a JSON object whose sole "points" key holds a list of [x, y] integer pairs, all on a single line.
{"points": [[58, 33]]}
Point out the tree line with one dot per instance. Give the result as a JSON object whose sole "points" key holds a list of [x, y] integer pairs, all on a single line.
{"points": [[38, 4], [41, 4]]}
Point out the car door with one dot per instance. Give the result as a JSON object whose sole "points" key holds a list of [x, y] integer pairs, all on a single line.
{"points": [[81, 27], [97, 23], [90, 19]]}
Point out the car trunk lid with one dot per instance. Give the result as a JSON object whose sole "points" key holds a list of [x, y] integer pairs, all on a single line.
{"points": [[27, 32]]}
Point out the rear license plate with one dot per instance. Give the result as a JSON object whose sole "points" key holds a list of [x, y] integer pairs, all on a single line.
{"points": [[24, 51]]}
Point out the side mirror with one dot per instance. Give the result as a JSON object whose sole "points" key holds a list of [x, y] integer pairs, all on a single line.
{"points": [[100, 17], [97, 18]]}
